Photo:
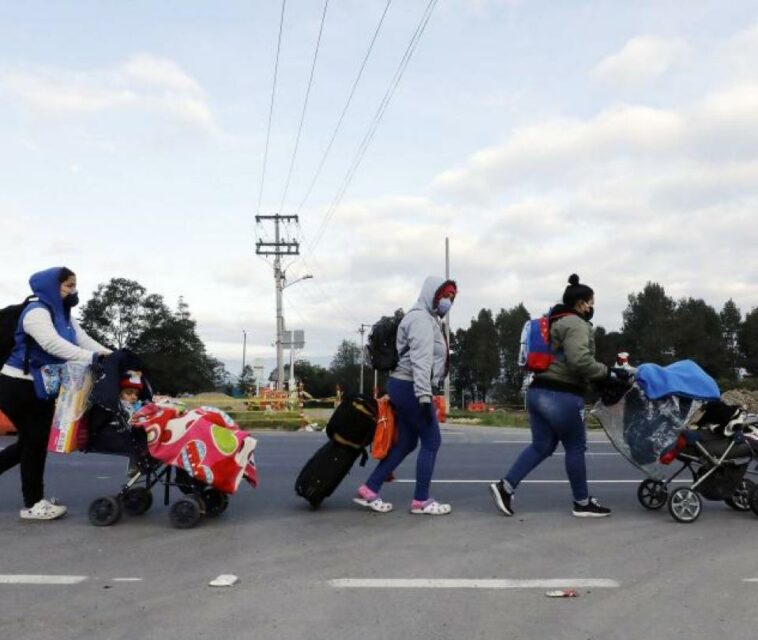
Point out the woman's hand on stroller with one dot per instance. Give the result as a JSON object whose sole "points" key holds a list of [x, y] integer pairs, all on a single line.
{"points": [[620, 374]]}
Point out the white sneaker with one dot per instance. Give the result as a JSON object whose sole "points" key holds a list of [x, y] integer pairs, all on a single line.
{"points": [[43, 510]]}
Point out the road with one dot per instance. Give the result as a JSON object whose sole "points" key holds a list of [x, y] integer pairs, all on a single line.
{"points": [[302, 572]]}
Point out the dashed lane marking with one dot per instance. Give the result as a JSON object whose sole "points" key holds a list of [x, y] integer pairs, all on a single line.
{"points": [[39, 579], [429, 583]]}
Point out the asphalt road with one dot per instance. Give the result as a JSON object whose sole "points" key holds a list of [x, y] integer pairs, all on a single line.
{"points": [[302, 573]]}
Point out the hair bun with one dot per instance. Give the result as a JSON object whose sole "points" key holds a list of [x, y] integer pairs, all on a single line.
{"points": [[574, 279]]}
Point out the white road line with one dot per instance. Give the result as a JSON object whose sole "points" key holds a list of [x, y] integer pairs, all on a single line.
{"points": [[429, 583], [530, 442], [750, 580], [408, 481], [40, 579], [591, 453], [127, 579]]}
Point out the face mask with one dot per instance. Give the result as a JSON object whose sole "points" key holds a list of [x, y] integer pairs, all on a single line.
{"points": [[589, 313], [443, 306], [71, 300]]}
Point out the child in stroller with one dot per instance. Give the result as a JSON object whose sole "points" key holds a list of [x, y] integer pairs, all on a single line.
{"points": [[112, 430], [675, 413]]}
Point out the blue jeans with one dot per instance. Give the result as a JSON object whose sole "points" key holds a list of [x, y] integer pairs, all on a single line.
{"points": [[412, 426], [554, 416]]}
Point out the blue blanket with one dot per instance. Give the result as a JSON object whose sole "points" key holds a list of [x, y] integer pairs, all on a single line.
{"points": [[683, 378]]}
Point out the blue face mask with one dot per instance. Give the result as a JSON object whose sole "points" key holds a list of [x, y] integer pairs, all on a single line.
{"points": [[443, 306]]}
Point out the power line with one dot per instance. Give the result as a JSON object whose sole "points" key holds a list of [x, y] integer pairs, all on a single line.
{"points": [[344, 109], [305, 106], [375, 123], [271, 107]]}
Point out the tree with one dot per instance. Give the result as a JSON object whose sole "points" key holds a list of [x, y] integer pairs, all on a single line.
{"points": [[731, 319], [608, 345], [649, 325], [317, 380], [116, 313], [346, 366], [748, 341], [699, 336], [246, 382], [481, 352], [122, 314], [509, 325], [460, 373]]}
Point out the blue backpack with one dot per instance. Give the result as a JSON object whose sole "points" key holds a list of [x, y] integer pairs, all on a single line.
{"points": [[536, 353]]}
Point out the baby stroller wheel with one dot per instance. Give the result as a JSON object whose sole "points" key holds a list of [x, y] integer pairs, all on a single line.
{"points": [[652, 494], [685, 505], [185, 513], [740, 500], [137, 500], [105, 511], [215, 501]]}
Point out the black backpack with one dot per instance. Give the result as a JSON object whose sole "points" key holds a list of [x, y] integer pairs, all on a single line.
{"points": [[9, 317], [382, 342]]}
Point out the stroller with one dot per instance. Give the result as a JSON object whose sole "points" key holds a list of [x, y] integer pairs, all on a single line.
{"points": [[674, 413], [110, 430]]}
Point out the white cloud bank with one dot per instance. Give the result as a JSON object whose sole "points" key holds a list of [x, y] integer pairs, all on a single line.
{"points": [[642, 59], [143, 83]]}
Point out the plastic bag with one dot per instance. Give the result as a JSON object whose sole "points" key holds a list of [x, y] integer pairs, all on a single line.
{"points": [[67, 429]]}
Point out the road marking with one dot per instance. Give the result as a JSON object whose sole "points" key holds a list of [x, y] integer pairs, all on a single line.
{"points": [[750, 580], [40, 579], [429, 583], [591, 453], [530, 442], [408, 481], [127, 579]]}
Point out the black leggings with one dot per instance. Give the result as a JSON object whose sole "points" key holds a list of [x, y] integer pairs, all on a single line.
{"points": [[32, 418]]}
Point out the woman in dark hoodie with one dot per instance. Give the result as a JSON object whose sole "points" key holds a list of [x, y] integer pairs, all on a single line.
{"points": [[555, 402], [46, 335]]}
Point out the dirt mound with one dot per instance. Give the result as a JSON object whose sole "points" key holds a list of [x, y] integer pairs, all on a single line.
{"points": [[748, 399]]}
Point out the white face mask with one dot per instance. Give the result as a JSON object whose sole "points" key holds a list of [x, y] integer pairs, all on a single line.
{"points": [[443, 306]]}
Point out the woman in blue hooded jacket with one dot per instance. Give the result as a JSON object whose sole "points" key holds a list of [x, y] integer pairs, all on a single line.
{"points": [[46, 335]]}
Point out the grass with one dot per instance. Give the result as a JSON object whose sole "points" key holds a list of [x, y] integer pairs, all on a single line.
{"points": [[246, 419], [497, 418]]}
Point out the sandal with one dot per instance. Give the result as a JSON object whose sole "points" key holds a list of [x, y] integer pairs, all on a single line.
{"points": [[377, 504], [431, 508]]}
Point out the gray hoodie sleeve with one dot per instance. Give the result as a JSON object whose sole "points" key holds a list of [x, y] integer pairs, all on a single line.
{"points": [[420, 339]]}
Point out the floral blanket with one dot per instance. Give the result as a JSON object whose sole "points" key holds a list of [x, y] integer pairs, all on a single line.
{"points": [[205, 442]]}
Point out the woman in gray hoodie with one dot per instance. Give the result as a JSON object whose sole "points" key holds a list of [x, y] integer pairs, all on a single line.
{"points": [[423, 361]]}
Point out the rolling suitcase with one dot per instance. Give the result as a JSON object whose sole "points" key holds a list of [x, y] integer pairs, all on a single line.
{"points": [[323, 473]]}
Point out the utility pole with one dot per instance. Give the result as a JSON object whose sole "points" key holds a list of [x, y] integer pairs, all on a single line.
{"points": [[278, 249], [362, 330], [244, 350], [447, 322]]}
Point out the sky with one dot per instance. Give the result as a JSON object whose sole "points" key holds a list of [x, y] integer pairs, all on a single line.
{"points": [[615, 140]]}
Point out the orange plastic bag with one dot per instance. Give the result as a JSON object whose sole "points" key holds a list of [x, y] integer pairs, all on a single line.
{"points": [[386, 433], [6, 426]]}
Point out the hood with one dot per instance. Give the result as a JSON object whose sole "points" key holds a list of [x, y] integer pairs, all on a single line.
{"points": [[46, 286], [429, 289]]}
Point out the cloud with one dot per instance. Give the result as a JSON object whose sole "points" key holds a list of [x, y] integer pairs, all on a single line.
{"points": [[642, 59], [143, 83], [561, 146]]}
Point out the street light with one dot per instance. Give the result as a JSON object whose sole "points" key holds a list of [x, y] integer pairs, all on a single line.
{"points": [[280, 324], [303, 277]]}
